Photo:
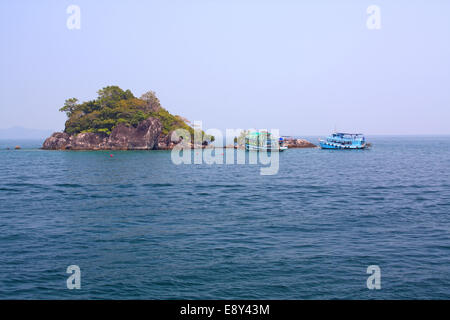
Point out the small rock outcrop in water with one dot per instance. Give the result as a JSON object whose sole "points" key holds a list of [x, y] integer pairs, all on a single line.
{"points": [[298, 143], [146, 136]]}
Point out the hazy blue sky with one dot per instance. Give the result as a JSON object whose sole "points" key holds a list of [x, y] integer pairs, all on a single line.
{"points": [[301, 66]]}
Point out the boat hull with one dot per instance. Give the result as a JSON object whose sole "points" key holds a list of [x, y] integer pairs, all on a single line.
{"points": [[255, 148], [336, 146]]}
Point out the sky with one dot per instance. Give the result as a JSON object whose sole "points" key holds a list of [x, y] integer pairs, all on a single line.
{"points": [[303, 67]]}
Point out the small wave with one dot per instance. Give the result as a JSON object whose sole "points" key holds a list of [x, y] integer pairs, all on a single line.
{"points": [[68, 185], [226, 186], [125, 186], [22, 185], [9, 189], [156, 185]]}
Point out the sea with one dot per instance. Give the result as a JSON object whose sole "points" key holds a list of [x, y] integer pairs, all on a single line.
{"points": [[138, 226]]}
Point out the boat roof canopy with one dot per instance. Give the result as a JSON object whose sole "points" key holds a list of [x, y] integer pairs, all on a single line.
{"points": [[347, 134], [258, 133]]}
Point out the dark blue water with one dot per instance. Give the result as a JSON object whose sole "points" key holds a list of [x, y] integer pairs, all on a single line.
{"points": [[140, 227]]}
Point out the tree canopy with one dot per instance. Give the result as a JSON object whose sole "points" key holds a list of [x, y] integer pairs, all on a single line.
{"points": [[113, 106]]}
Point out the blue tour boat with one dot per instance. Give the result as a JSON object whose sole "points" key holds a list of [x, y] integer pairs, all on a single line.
{"points": [[346, 141]]}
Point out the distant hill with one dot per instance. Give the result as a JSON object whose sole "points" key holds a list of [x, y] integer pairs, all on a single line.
{"points": [[24, 133]]}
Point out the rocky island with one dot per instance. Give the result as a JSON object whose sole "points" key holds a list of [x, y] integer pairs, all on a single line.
{"points": [[117, 120]]}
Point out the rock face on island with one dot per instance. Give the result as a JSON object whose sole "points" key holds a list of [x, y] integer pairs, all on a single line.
{"points": [[146, 136]]}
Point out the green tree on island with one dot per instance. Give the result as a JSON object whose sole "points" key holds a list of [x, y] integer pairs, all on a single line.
{"points": [[113, 106]]}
